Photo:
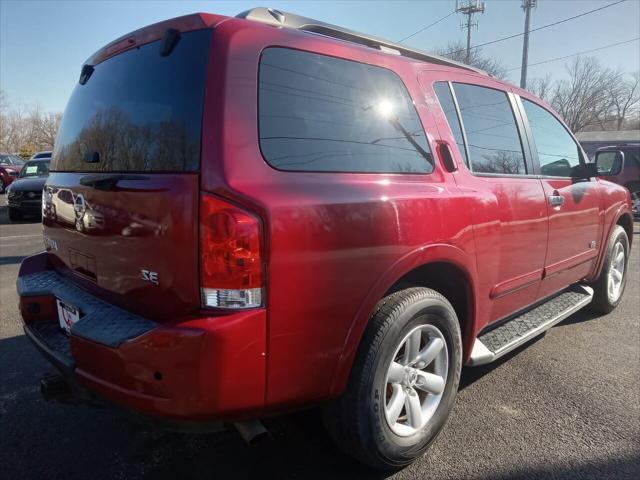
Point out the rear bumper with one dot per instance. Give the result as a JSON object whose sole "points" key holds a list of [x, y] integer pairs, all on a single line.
{"points": [[203, 367]]}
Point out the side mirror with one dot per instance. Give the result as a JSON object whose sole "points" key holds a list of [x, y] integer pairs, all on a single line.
{"points": [[584, 170], [609, 163]]}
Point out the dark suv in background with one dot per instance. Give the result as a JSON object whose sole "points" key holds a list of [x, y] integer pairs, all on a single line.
{"points": [[629, 176], [24, 196]]}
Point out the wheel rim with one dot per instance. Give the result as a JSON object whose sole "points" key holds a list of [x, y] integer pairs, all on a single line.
{"points": [[415, 380], [616, 272]]}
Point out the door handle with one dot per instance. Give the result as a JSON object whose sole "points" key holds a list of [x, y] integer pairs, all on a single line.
{"points": [[556, 200]]}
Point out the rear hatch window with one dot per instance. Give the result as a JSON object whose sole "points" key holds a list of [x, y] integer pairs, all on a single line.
{"points": [[138, 111], [120, 205]]}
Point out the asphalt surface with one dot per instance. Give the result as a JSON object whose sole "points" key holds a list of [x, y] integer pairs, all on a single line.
{"points": [[566, 406]]}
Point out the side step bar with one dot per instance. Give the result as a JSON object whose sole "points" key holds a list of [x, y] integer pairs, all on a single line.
{"points": [[497, 342]]}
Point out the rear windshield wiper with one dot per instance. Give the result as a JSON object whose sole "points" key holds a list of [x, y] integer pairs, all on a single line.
{"points": [[107, 182], [169, 41]]}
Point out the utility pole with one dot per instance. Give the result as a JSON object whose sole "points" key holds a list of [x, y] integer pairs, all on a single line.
{"points": [[527, 5], [469, 8]]}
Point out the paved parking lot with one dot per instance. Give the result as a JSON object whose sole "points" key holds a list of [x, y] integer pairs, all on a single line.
{"points": [[564, 406]]}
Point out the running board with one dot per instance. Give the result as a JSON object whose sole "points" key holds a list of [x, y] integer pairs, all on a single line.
{"points": [[497, 342]]}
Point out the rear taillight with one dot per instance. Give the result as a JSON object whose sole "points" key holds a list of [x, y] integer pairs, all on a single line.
{"points": [[230, 262]]}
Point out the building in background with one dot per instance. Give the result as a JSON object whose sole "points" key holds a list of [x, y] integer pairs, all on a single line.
{"points": [[591, 141]]}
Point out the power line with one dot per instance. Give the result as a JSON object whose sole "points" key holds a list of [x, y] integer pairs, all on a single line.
{"points": [[515, 35], [579, 53], [425, 28]]}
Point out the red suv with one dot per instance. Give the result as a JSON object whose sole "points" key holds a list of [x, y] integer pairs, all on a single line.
{"points": [[10, 166], [247, 216]]}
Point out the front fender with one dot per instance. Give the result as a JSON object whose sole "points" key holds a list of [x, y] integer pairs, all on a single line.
{"points": [[612, 217], [419, 257]]}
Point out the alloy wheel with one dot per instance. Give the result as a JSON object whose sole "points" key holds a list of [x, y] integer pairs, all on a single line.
{"points": [[416, 379], [616, 272]]}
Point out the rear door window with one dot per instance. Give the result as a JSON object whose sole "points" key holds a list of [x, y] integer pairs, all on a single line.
{"points": [[139, 111], [492, 133], [449, 108], [324, 114], [557, 151]]}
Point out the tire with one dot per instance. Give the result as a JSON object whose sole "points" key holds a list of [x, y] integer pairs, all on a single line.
{"points": [[606, 300], [2, 187], [634, 190], [14, 214], [358, 420], [633, 187]]}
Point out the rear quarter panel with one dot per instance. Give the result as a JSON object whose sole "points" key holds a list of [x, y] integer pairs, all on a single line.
{"points": [[335, 242]]}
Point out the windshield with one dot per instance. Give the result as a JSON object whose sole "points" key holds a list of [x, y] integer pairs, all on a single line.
{"points": [[10, 160], [42, 155], [35, 169], [138, 111]]}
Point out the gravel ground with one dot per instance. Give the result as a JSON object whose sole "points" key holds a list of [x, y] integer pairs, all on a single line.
{"points": [[566, 406]]}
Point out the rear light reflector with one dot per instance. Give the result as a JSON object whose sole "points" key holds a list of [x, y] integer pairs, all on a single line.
{"points": [[218, 298], [230, 258]]}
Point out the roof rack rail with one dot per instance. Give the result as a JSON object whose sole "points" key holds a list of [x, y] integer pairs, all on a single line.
{"points": [[284, 19]]}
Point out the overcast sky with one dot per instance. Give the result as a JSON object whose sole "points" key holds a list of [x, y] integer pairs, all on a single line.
{"points": [[43, 43]]}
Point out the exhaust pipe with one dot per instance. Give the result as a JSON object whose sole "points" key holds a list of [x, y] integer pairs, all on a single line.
{"points": [[252, 432], [54, 387]]}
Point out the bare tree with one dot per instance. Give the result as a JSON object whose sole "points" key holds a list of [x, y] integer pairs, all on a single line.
{"points": [[13, 130], [3, 101], [26, 130], [625, 99], [46, 127], [583, 99], [4, 121], [457, 51], [503, 161], [541, 87]]}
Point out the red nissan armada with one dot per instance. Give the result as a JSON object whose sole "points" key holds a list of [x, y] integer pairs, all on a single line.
{"points": [[248, 216]]}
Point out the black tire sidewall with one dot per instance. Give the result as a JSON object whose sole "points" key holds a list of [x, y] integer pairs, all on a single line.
{"points": [[394, 449]]}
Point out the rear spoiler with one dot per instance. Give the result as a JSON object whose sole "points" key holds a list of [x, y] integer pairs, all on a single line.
{"points": [[151, 33]]}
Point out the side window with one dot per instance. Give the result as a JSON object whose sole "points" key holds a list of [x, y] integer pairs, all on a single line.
{"points": [[490, 126], [324, 114], [65, 196], [449, 108], [557, 151], [633, 157]]}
